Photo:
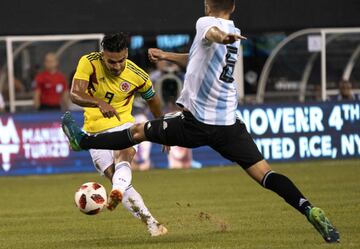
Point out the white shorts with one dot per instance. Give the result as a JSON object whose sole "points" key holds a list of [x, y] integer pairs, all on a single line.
{"points": [[102, 159]]}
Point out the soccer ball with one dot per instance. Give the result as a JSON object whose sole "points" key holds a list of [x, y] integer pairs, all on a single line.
{"points": [[91, 198]]}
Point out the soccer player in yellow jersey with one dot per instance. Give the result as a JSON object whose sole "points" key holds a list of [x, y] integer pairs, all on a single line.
{"points": [[105, 84]]}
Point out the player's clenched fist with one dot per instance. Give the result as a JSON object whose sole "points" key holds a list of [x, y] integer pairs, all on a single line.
{"points": [[155, 54]]}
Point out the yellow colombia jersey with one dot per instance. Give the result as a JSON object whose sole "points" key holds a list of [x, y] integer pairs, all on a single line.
{"points": [[118, 91]]}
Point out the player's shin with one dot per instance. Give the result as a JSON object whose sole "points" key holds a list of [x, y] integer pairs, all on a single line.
{"points": [[285, 188], [133, 201], [122, 176], [118, 140]]}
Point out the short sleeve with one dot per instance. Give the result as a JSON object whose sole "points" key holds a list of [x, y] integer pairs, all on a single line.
{"points": [[147, 90], [84, 69], [203, 25]]}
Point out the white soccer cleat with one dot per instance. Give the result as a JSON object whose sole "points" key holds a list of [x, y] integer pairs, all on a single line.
{"points": [[157, 229]]}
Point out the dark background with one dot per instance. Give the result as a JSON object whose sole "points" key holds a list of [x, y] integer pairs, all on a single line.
{"points": [[20, 17]]}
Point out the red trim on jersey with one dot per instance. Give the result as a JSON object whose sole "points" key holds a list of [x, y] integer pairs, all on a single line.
{"points": [[92, 80], [131, 93]]}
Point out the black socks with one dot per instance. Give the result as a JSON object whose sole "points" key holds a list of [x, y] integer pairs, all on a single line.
{"points": [[118, 140], [284, 187]]}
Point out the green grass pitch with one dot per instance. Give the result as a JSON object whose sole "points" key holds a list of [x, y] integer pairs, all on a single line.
{"points": [[218, 207]]}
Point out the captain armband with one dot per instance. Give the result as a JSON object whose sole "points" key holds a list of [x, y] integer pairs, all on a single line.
{"points": [[148, 94]]}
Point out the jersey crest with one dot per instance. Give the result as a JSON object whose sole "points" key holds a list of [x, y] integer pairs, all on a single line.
{"points": [[117, 91], [125, 86]]}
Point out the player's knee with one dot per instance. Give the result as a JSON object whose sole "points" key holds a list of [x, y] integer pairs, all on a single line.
{"points": [[259, 170], [109, 172], [131, 154], [124, 155], [137, 132]]}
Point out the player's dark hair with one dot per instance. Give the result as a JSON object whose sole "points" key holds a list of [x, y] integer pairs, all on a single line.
{"points": [[221, 5], [115, 42]]}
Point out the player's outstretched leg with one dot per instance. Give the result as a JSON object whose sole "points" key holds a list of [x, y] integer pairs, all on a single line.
{"points": [[117, 140], [72, 131], [285, 188]]}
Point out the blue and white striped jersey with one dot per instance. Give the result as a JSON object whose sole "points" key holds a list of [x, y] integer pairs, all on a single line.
{"points": [[209, 89]]}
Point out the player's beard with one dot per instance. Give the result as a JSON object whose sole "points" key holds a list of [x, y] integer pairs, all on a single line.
{"points": [[115, 72]]}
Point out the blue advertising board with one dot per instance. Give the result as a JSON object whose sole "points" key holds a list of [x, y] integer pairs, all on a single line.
{"points": [[305, 131], [33, 143]]}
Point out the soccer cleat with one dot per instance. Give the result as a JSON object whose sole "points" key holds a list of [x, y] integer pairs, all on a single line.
{"points": [[157, 229], [72, 131], [115, 198], [317, 218]]}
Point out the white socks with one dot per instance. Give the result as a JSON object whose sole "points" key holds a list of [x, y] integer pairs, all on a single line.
{"points": [[122, 176], [132, 200]]}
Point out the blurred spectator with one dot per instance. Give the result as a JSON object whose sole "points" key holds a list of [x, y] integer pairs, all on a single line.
{"points": [[163, 67], [346, 91], [2, 103], [168, 80], [178, 157], [50, 86], [4, 85]]}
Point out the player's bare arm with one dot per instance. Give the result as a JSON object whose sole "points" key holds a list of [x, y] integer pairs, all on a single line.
{"points": [[156, 55], [79, 96], [214, 34], [155, 106]]}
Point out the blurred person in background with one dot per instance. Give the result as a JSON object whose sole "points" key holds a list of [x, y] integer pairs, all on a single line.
{"points": [[168, 79], [2, 103], [165, 67], [346, 91], [178, 157], [4, 85], [50, 86]]}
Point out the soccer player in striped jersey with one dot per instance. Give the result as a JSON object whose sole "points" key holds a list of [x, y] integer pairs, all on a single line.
{"points": [[208, 117], [105, 84]]}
